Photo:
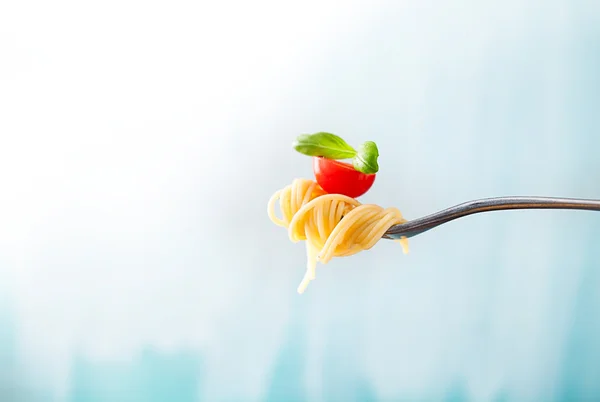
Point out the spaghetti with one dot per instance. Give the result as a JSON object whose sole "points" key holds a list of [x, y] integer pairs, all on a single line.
{"points": [[333, 225]]}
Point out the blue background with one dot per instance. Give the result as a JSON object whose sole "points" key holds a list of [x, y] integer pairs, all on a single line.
{"points": [[140, 142]]}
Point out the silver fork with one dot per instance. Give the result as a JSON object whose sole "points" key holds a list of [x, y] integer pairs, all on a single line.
{"points": [[420, 225]]}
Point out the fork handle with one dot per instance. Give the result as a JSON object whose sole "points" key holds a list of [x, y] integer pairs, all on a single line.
{"points": [[420, 225]]}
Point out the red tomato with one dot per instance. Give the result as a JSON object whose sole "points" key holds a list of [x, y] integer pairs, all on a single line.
{"points": [[337, 177]]}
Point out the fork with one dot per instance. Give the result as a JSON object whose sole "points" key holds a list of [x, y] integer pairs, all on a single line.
{"points": [[420, 225]]}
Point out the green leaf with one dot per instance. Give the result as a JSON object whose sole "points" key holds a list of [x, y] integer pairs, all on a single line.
{"points": [[327, 145], [366, 158]]}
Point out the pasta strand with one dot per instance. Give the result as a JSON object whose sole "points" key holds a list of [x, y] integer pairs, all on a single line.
{"points": [[333, 225]]}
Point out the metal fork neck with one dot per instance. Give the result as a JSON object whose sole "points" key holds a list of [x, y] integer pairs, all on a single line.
{"points": [[420, 225]]}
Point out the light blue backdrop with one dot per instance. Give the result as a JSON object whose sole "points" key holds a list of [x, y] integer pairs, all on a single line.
{"points": [[140, 142]]}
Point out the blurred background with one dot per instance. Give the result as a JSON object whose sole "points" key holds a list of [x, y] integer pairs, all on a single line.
{"points": [[141, 140]]}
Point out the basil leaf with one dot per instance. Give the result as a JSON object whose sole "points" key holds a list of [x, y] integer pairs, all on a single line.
{"points": [[327, 145], [366, 158]]}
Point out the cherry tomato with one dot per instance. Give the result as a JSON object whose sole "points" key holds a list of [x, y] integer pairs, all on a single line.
{"points": [[337, 177]]}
